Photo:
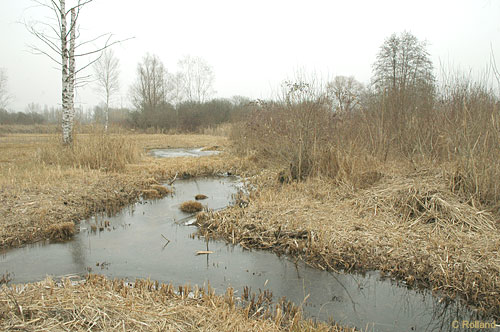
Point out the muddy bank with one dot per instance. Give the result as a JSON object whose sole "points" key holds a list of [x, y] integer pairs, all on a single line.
{"points": [[337, 229]]}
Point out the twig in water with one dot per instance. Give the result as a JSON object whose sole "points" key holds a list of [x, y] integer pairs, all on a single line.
{"points": [[168, 241], [173, 180]]}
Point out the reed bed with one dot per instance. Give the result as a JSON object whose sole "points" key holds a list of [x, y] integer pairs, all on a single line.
{"points": [[99, 304], [99, 151], [408, 225]]}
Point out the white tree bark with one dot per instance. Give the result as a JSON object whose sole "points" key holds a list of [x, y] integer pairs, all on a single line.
{"points": [[67, 124], [66, 53], [72, 76]]}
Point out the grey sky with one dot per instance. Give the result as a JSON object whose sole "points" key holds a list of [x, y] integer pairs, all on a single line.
{"points": [[252, 45]]}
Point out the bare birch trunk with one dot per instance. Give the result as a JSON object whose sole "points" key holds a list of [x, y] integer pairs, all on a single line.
{"points": [[66, 107], [72, 74]]}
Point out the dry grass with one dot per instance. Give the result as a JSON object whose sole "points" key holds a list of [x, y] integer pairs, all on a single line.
{"points": [[156, 191], [96, 151], [408, 225], [34, 196], [29, 129], [99, 304], [191, 207], [389, 211], [62, 231]]}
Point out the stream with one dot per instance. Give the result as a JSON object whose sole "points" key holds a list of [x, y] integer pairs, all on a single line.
{"points": [[153, 239]]}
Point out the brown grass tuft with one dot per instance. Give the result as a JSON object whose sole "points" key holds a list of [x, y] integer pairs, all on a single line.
{"points": [[191, 207], [61, 231], [150, 194], [162, 189]]}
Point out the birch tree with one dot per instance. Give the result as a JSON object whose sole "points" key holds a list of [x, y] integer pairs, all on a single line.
{"points": [[198, 79], [107, 73], [59, 44], [4, 94]]}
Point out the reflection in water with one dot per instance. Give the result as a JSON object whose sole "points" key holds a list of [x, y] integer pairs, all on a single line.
{"points": [[78, 255], [134, 247]]}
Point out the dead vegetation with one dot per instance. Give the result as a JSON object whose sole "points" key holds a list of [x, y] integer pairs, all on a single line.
{"points": [[191, 207], [61, 231], [408, 225], [156, 191], [115, 305], [36, 196], [99, 151], [414, 193]]}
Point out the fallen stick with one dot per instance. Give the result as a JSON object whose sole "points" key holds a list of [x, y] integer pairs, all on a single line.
{"points": [[204, 252]]}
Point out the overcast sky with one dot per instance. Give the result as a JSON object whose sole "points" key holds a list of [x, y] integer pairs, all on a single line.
{"points": [[251, 45]]}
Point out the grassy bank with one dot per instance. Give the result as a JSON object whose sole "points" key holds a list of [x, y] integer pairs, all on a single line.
{"points": [[99, 304]]}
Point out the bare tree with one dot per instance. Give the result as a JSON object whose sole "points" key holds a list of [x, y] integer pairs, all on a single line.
{"points": [[198, 78], [107, 72], [403, 70], [177, 81], [4, 94], [151, 89], [344, 93], [59, 44]]}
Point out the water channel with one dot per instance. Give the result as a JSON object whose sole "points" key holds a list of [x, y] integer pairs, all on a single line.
{"points": [[134, 246]]}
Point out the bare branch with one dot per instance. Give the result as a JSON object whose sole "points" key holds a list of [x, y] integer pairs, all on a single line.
{"points": [[89, 64], [35, 50], [105, 46], [93, 40], [43, 38], [77, 8]]}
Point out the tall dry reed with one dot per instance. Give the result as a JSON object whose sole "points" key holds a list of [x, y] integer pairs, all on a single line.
{"points": [[101, 151]]}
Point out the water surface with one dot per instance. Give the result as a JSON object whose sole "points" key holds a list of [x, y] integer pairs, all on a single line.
{"points": [[182, 152], [135, 246]]}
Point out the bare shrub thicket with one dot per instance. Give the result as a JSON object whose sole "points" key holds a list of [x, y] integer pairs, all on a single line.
{"points": [[459, 132], [406, 117], [295, 133]]}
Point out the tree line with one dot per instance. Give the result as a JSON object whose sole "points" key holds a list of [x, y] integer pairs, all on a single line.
{"points": [[402, 77]]}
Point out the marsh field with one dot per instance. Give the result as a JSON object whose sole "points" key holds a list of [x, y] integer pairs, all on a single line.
{"points": [[416, 200]]}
